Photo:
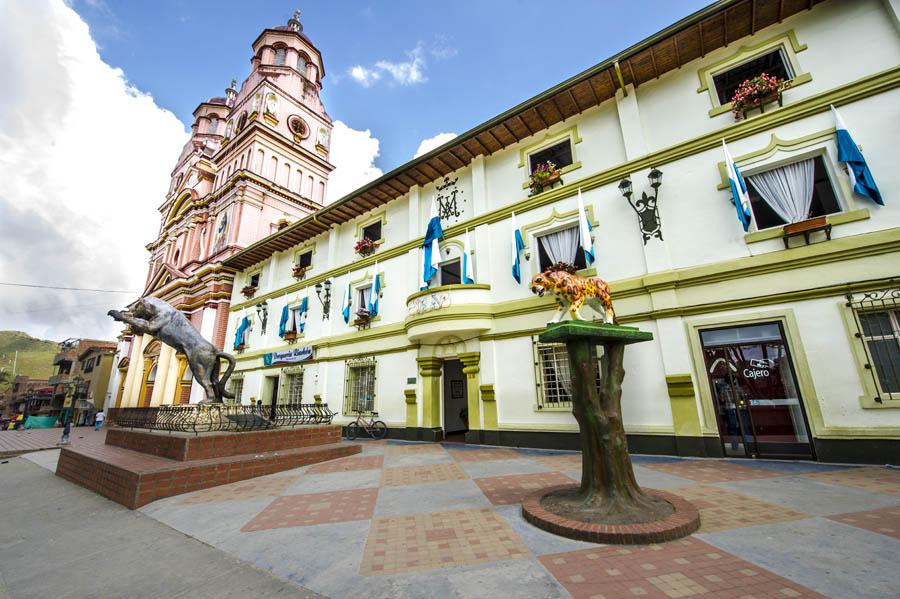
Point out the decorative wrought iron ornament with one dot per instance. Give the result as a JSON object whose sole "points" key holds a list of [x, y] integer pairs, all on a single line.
{"points": [[647, 211], [449, 199]]}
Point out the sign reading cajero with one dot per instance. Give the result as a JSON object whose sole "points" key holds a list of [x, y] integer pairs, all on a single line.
{"points": [[297, 354]]}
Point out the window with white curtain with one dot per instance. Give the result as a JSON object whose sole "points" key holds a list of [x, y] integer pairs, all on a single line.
{"points": [[791, 193], [560, 246]]}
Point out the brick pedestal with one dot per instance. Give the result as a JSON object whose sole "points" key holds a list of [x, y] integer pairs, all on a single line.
{"points": [[135, 468]]}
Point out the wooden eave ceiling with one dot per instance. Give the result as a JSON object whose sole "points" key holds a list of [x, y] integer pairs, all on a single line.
{"points": [[693, 37]]}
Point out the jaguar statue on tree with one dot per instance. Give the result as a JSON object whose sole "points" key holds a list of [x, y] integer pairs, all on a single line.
{"points": [[154, 317], [572, 292]]}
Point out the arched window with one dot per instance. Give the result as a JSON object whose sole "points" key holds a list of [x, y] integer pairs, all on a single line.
{"points": [[309, 188], [280, 54], [213, 125], [301, 64], [287, 175], [321, 195], [176, 257], [298, 179], [242, 162], [260, 161], [274, 172], [242, 121], [272, 104]]}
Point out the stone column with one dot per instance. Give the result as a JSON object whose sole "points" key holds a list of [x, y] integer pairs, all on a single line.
{"points": [[471, 367], [163, 371], [430, 371]]}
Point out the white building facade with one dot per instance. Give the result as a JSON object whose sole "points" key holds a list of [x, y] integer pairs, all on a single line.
{"points": [[781, 341]]}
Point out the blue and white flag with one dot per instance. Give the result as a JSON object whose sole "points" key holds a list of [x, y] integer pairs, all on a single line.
{"points": [[738, 189], [584, 232], [302, 312], [468, 275], [283, 323], [345, 303], [376, 291], [861, 179], [432, 251], [517, 246], [241, 334]]}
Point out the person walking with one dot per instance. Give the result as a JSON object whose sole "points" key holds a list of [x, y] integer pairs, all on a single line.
{"points": [[99, 417]]}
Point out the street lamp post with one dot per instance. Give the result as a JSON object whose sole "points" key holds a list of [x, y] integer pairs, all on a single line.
{"points": [[74, 389], [326, 300]]}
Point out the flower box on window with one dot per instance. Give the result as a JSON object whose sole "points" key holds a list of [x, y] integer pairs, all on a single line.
{"points": [[249, 291], [241, 347], [290, 336], [563, 267], [364, 247], [756, 92], [805, 228], [544, 176], [299, 271], [363, 319]]}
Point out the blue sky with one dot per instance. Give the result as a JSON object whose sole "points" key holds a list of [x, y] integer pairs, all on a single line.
{"points": [[476, 58]]}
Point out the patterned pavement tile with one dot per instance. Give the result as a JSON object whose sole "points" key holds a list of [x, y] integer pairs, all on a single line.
{"points": [[412, 448], [885, 521], [317, 508], [264, 486], [721, 509], [882, 480], [412, 475], [539, 541], [483, 455], [439, 540], [811, 496], [561, 462], [709, 471], [429, 497], [502, 467], [648, 477], [417, 459], [685, 568], [514, 488], [370, 462], [335, 481]]}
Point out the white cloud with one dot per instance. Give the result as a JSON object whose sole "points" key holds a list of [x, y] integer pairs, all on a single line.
{"points": [[84, 163], [431, 143], [363, 76], [441, 48], [353, 154], [410, 72]]}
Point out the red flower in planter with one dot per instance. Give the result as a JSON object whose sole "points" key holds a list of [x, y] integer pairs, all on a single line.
{"points": [[751, 92], [364, 246]]}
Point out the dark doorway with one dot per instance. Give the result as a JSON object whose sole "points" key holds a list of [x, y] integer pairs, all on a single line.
{"points": [[758, 406], [456, 403], [273, 382]]}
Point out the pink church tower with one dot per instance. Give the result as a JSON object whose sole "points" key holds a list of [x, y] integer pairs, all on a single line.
{"points": [[256, 160]]}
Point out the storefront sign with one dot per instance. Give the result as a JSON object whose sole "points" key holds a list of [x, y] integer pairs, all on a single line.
{"points": [[298, 354]]}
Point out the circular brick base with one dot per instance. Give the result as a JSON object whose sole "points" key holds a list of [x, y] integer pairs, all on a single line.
{"points": [[684, 521]]}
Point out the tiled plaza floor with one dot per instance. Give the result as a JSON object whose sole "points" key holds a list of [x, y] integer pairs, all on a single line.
{"points": [[25, 441], [429, 520]]}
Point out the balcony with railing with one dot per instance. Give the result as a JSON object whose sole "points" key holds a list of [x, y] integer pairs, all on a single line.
{"points": [[463, 311]]}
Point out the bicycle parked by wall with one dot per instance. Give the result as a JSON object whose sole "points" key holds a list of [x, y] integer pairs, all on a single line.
{"points": [[376, 428]]}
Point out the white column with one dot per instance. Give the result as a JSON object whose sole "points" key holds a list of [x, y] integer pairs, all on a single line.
{"points": [[482, 249], [168, 396], [479, 186], [162, 374]]}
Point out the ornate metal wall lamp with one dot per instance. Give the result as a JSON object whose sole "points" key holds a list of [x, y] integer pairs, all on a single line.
{"points": [[262, 311], [646, 208], [324, 299]]}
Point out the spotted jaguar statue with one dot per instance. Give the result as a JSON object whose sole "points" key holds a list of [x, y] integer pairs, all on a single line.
{"points": [[572, 292]]}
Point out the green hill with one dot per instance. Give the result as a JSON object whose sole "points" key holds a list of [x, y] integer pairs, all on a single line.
{"points": [[35, 355]]}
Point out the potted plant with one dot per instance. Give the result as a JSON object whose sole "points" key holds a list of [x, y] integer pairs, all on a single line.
{"points": [[563, 267], [363, 318], [290, 335], [543, 175], [364, 246], [299, 271], [755, 93], [249, 291]]}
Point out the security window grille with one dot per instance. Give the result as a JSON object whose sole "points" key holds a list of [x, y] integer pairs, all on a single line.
{"points": [[772, 63], [295, 388], [824, 200], [559, 154], [359, 387], [372, 231], [554, 379], [237, 387]]}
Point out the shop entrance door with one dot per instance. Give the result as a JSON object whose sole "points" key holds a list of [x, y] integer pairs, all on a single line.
{"points": [[456, 404], [758, 406]]}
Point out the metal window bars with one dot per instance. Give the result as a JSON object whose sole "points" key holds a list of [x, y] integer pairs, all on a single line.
{"points": [[359, 386], [553, 377], [205, 418], [876, 315], [295, 388]]}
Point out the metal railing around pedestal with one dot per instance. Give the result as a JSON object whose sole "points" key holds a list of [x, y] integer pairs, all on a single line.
{"points": [[205, 418]]}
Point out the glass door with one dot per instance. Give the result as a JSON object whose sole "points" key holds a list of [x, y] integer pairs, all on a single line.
{"points": [[758, 406]]}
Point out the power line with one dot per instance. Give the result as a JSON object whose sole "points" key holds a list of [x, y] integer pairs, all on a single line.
{"points": [[68, 288], [57, 308]]}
